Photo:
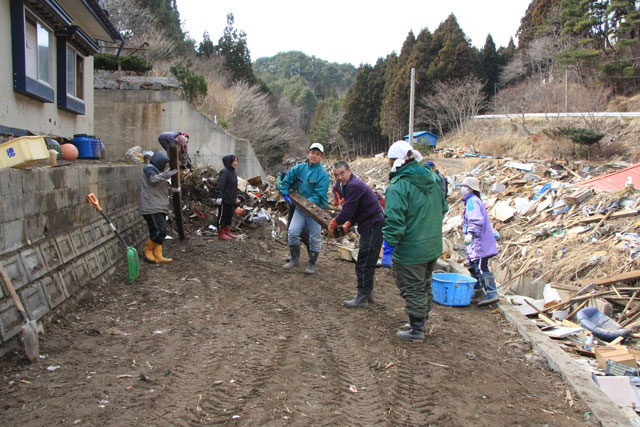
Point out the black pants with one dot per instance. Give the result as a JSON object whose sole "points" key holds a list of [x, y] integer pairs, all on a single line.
{"points": [[370, 244], [157, 223], [304, 236], [225, 213], [479, 266]]}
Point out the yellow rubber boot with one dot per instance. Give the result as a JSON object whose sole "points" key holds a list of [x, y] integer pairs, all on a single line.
{"points": [[148, 251], [157, 253]]}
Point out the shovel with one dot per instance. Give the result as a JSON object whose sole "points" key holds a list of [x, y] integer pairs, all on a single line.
{"points": [[132, 254], [30, 327]]}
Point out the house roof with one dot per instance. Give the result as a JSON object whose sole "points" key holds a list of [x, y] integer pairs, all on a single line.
{"points": [[615, 181], [421, 133], [93, 20]]}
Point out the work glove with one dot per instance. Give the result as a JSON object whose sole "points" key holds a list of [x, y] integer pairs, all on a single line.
{"points": [[175, 190], [172, 172], [387, 251], [218, 201], [287, 199], [468, 238], [347, 226], [332, 227]]}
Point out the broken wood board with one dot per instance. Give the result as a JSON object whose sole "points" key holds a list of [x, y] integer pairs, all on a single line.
{"points": [[177, 196], [608, 280], [618, 354], [319, 215], [620, 214], [562, 332]]}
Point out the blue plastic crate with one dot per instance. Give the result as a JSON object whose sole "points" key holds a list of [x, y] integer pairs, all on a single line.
{"points": [[452, 289]]}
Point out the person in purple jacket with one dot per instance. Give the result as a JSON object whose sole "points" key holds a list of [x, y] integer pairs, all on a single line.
{"points": [[480, 242], [361, 207]]}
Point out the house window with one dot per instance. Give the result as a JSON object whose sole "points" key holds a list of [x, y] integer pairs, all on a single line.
{"points": [[32, 51], [75, 71]]}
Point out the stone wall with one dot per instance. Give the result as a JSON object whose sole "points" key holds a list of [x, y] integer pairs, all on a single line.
{"points": [[54, 243]]}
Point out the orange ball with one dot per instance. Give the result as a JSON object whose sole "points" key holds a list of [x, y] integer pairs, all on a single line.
{"points": [[69, 152]]}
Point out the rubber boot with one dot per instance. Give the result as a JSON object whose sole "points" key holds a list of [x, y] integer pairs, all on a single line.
{"points": [[148, 251], [311, 266], [227, 230], [489, 286], [359, 301], [222, 235], [478, 291], [157, 253], [416, 331], [295, 257], [370, 298]]}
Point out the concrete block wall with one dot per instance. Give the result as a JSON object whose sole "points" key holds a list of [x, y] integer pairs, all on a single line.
{"points": [[53, 243]]}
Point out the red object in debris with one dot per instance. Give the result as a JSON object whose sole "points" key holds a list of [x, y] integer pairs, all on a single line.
{"points": [[615, 181], [240, 212]]}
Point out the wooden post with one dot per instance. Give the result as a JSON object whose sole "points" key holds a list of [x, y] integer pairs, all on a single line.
{"points": [[175, 183]]}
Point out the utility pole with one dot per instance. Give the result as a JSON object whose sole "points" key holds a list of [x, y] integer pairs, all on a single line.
{"points": [[413, 89], [566, 89]]}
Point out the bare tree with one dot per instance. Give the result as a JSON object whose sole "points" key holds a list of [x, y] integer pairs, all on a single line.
{"points": [[135, 24], [451, 104]]}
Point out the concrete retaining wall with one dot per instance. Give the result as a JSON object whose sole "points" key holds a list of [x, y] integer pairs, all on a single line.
{"points": [[126, 118], [54, 243]]}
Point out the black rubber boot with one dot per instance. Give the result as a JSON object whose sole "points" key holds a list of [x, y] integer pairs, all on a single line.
{"points": [[489, 286], [478, 291], [370, 298], [359, 301], [311, 266], [416, 333], [295, 257]]}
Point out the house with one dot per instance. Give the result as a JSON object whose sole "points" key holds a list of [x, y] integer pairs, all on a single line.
{"points": [[47, 75], [423, 137]]}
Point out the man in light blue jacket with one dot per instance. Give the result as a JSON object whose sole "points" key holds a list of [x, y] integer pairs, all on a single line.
{"points": [[311, 181]]}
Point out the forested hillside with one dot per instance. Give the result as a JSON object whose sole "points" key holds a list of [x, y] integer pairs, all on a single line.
{"points": [[572, 55]]}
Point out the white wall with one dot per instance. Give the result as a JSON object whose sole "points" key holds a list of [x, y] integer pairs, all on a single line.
{"points": [[22, 112]]}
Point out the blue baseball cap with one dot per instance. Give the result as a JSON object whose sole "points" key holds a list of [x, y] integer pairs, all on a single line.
{"points": [[430, 163]]}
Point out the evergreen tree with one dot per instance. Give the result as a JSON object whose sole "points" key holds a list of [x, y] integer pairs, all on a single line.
{"points": [[455, 57], [232, 46], [168, 20], [491, 62], [206, 47], [535, 20]]}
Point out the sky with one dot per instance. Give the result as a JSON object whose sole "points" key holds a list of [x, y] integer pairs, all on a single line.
{"points": [[328, 30]]}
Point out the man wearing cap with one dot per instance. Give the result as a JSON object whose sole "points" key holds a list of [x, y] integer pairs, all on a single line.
{"points": [[360, 206], [311, 181], [168, 139], [443, 180]]}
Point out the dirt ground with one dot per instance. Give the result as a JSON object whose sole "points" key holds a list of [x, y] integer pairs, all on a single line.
{"points": [[223, 336]]}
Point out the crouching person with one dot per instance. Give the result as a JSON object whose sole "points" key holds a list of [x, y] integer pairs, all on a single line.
{"points": [[360, 206], [480, 242], [154, 204], [414, 211]]}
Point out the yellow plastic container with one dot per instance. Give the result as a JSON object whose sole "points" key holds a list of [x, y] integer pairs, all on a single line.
{"points": [[23, 151]]}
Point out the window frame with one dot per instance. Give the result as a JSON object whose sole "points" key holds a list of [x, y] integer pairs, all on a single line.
{"points": [[23, 84]]}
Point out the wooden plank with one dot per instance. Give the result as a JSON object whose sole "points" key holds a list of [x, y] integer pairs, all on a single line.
{"points": [[175, 183], [622, 277], [319, 215], [620, 214]]}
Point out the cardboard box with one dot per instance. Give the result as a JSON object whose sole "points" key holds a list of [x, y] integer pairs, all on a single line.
{"points": [[618, 354]]}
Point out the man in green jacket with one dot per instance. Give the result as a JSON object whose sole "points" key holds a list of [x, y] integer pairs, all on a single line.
{"points": [[415, 208]]}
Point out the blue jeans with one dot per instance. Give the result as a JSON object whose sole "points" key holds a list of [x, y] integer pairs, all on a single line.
{"points": [[299, 221]]}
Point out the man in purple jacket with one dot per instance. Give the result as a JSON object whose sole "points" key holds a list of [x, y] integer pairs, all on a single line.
{"points": [[361, 207]]}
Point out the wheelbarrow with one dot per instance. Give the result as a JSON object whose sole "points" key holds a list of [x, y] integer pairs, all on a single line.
{"points": [[133, 261]]}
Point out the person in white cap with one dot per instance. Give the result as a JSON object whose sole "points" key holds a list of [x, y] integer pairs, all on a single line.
{"points": [[414, 210], [480, 242], [311, 181], [181, 139]]}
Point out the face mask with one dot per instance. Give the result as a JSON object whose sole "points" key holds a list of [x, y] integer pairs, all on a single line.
{"points": [[464, 190]]}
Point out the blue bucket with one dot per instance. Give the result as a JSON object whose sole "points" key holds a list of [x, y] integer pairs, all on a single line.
{"points": [[83, 144], [452, 289], [96, 147]]}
